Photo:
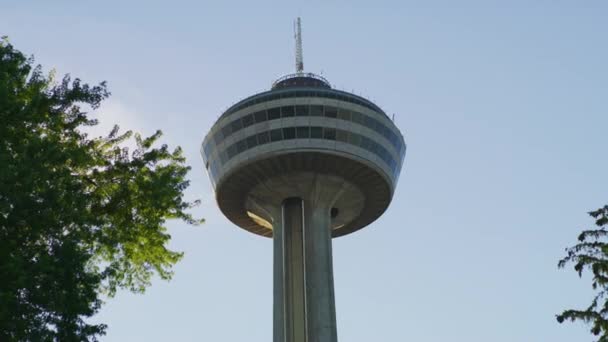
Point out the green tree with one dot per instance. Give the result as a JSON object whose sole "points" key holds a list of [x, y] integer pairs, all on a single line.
{"points": [[591, 254], [79, 216]]}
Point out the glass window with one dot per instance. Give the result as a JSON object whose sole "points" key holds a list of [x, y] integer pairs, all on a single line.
{"points": [[289, 133], [251, 141], [316, 132], [263, 138], [287, 111], [343, 114], [301, 110], [217, 137], [302, 132], [365, 142], [232, 151], [226, 130], [236, 125], [224, 157], [341, 135], [369, 122], [274, 113], [316, 110], [358, 118], [376, 148], [355, 139], [248, 120], [260, 116], [384, 131], [275, 135], [331, 112], [329, 133], [379, 127], [241, 146]]}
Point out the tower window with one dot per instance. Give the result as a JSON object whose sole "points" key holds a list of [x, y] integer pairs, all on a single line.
{"points": [[274, 113], [251, 141], [303, 132], [287, 111], [241, 146], [236, 125], [341, 135], [289, 133], [275, 135], [263, 138], [248, 120], [343, 114], [301, 110], [329, 133], [260, 116], [316, 132], [331, 112], [316, 110]]}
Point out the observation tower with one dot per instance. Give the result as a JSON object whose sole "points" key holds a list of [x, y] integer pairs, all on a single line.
{"points": [[302, 163]]}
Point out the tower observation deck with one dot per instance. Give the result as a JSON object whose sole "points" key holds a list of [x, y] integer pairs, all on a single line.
{"points": [[302, 163]]}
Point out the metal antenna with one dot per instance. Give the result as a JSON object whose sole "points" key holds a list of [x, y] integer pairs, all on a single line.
{"points": [[298, 36]]}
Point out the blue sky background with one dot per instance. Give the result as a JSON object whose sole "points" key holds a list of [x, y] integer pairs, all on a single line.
{"points": [[503, 105]]}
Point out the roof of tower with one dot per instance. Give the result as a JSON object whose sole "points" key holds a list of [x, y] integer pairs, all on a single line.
{"points": [[301, 80]]}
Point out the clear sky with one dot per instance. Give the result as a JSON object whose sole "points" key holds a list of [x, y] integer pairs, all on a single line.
{"points": [[503, 105]]}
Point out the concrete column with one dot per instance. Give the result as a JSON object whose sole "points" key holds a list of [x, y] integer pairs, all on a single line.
{"points": [[304, 304]]}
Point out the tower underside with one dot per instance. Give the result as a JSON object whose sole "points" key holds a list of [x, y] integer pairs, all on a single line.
{"points": [[362, 193]]}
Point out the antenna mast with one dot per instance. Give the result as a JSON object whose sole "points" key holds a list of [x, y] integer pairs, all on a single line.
{"points": [[299, 57]]}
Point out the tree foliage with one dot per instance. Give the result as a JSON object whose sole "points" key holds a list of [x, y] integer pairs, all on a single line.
{"points": [[79, 216], [591, 254]]}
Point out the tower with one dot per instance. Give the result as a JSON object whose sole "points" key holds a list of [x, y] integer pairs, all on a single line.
{"points": [[302, 163]]}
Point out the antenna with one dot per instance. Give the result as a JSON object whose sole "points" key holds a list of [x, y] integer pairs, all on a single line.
{"points": [[298, 36]]}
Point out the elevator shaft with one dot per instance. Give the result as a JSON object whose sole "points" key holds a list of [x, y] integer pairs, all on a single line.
{"points": [[304, 303]]}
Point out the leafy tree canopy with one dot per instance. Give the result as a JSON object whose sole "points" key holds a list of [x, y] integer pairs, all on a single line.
{"points": [[79, 216], [591, 254]]}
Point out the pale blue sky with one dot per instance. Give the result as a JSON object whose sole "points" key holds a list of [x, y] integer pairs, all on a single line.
{"points": [[503, 105]]}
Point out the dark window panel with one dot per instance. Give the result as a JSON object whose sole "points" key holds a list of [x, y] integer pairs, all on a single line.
{"points": [[274, 113], [287, 111], [232, 151], [358, 118], [227, 130], [260, 116], [379, 127], [301, 110], [316, 110], [236, 125], [341, 135], [303, 132], [377, 148], [369, 122], [331, 112], [365, 142], [263, 138], [224, 157], [251, 141], [344, 114], [241, 146], [247, 120], [217, 137], [275, 135], [355, 139], [316, 132], [289, 133], [329, 133]]}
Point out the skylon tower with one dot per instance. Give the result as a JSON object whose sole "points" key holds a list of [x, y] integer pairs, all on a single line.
{"points": [[302, 163]]}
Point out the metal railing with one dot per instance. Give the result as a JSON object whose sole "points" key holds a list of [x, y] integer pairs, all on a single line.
{"points": [[301, 74]]}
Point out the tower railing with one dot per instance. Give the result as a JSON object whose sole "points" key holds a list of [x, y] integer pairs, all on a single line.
{"points": [[301, 74]]}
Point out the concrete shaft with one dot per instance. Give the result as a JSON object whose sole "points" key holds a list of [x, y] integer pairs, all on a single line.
{"points": [[304, 303]]}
